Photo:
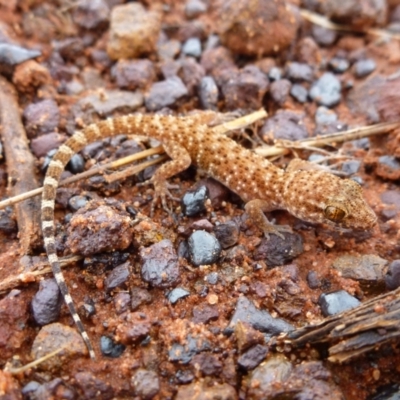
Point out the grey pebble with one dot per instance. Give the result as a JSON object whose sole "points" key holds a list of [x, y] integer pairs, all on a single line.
{"points": [[192, 47], [46, 304], [392, 277], [339, 65], [279, 90], [299, 92], [193, 201], [145, 383], [363, 68], [204, 248], [324, 116], [109, 348], [117, 277], [165, 93], [259, 319], [326, 90], [337, 302], [77, 202], [176, 294], [208, 93], [296, 71]]}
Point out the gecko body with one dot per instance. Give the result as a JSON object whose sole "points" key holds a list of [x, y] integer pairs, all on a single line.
{"points": [[311, 195]]}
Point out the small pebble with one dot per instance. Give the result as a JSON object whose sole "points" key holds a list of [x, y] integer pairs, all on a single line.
{"points": [[324, 116], [204, 314], [193, 201], [109, 348], [339, 65], [212, 278], [363, 68], [326, 91], [337, 302], [185, 353], [165, 94], [117, 277], [145, 383], [295, 72], [41, 117], [91, 14], [299, 92], [192, 47], [323, 36], [275, 74], [392, 277], [259, 319], [204, 248], [193, 8], [176, 294], [46, 304], [160, 266], [77, 202], [208, 93], [252, 357], [279, 91], [227, 234], [351, 167]]}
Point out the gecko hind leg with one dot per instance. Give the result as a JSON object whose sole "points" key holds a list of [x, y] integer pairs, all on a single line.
{"points": [[255, 209], [180, 160]]}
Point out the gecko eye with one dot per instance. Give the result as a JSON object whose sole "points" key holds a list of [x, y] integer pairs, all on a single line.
{"points": [[334, 214]]}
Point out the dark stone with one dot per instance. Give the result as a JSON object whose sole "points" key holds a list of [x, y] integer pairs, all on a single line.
{"points": [[41, 117], [7, 224], [260, 320], [207, 364], [46, 304], [184, 354], [252, 357], [204, 248], [351, 167], [140, 296], [145, 383], [109, 348], [203, 314], [337, 302], [227, 234], [324, 36], [193, 201], [326, 90], [122, 302], [98, 263], [165, 94], [117, 277], [392, 278], [176, 294], [43, 144], [277, 251], [184, 376], [76, 164], [313, 280], [160, 266]]}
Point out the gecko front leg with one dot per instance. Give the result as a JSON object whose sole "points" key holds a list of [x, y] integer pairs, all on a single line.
{"points": [[255, 209], [180, 160]]}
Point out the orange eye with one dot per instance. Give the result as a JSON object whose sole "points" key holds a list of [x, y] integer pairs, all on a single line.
{"points": [[334, 214]]}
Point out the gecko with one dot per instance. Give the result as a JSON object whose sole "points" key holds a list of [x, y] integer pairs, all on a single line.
{"points": [[307, 193]]}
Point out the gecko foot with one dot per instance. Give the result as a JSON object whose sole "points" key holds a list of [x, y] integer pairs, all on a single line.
{"points": [[277, 230], [161, 194]]}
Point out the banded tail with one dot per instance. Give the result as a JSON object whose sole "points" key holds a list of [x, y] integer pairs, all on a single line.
{"points": [[140, 124]]}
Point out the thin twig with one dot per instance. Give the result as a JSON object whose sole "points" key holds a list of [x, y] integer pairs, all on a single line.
{"points": [[320, 20], [351, 134], [94, 171], [30, 276]]}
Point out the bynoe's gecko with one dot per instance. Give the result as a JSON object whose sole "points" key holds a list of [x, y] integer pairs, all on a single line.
{"points": [[311, 195]]}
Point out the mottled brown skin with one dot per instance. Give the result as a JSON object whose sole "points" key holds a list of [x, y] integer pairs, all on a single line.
{"points": [[311, 195]]}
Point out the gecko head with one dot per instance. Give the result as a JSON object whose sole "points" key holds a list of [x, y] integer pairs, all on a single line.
{"points": [[325, 198]]}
